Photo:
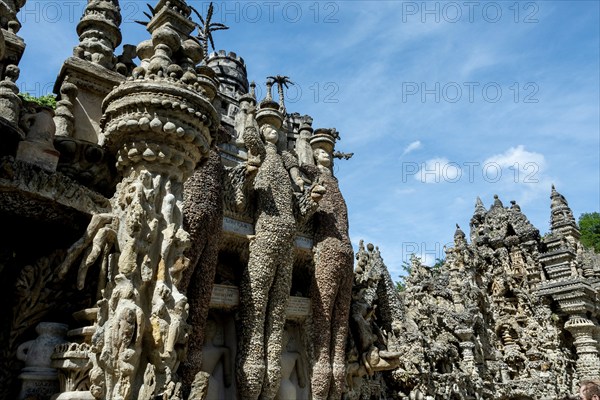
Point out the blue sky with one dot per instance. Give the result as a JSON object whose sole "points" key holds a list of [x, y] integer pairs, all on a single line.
{"points": [[441, 102]]}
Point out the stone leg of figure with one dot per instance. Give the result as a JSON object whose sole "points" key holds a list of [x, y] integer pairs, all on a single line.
{"points": [[275, 324], [339, 329], [287, 389], [323, 301], [203, 216], [255, 290]]}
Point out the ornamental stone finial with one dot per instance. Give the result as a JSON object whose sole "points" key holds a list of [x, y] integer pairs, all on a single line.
{"points": [[99, 33], [561, 215]]}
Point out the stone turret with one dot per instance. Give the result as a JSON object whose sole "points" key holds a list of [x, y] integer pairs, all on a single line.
{"points": [[86, 78], [231, 72]]}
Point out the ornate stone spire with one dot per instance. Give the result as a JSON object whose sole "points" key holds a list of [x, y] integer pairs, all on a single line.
{"points": [[303, 148], [251, 96], [458, 234], [269, 96], [479, 207], [514, 206], [99, 33], [561, 215], [477, 220]]}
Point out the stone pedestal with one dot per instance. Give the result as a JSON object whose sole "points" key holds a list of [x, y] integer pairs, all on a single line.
{"points": [[40, 379], [588, 362], [38, 384], [74, 396]]}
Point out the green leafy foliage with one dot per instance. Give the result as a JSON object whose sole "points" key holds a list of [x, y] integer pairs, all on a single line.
{"points": [[401, 284], [48, 100], [407, 267], [438, 265], [589, 226]]}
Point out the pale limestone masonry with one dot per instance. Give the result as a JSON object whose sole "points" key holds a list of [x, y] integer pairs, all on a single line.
{"points": [[170, 236]]}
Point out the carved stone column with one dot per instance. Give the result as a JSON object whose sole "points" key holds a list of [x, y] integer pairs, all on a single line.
{"points": [[466, 347], [159, 126], [583, 330]]}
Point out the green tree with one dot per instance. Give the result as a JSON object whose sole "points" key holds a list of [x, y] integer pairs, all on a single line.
{"points": [[438, 265], [589, 226], [48, 100], [401, 284]]}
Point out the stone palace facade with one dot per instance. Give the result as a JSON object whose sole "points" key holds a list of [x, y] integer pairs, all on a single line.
{"points": [[171, 236]]}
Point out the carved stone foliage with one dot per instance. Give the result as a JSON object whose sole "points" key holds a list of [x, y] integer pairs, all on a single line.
{"points": [[38, 292]]}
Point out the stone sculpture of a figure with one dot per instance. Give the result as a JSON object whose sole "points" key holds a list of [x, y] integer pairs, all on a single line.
{"points": [[265, 285], [291, 361], [214, 355], [332, 286]]}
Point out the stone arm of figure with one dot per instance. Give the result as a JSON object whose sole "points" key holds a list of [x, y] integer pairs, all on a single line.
{"points": [[99, 236], [290, 161], [236, 186], [253, 142], [307, 201]]}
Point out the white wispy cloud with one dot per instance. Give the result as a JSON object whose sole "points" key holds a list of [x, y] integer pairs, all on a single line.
{"points": [[439, 170], [517, 166], [412, 147]]}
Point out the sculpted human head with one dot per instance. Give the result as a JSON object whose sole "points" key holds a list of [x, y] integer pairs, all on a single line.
{"points": [[269, 133], [322, 157], [589, 390]]}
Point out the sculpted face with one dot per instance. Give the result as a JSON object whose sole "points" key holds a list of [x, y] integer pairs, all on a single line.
{"points": [[271, 135], [322, 158]]}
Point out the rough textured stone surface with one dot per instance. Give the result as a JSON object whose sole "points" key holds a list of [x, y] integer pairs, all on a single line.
{"points": [[266, 282], [331, 288], [202, 218], [195, 242], [489, 323]]}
